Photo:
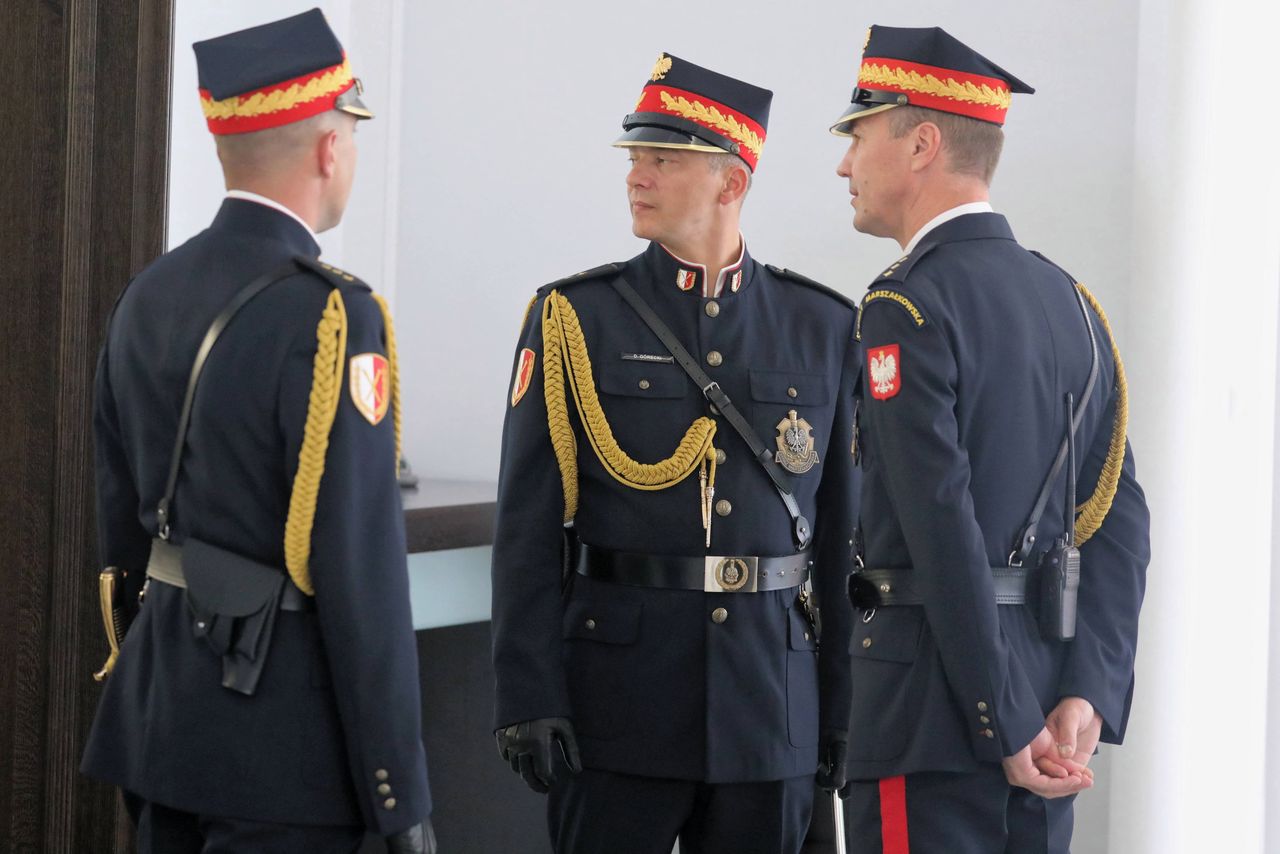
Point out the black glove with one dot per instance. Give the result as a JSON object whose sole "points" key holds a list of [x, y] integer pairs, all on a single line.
{"points": [[833, 749], [419, 839], [530, 748]]}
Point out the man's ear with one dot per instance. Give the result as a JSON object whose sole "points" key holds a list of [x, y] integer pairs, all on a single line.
{"points": [[926, 145], [327, 153], [735, 184]]}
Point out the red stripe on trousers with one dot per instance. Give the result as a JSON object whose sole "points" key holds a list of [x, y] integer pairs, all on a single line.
{"points": [[893, 815]]}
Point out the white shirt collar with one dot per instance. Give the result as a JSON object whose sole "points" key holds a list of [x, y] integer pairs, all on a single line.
{"points": [[245, 195], [946, 216]]}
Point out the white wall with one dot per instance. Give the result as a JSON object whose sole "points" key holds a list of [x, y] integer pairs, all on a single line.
{"points": [[508, 180]]}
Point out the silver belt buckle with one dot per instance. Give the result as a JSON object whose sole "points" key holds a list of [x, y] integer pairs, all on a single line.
{"points": [[730, 574]]}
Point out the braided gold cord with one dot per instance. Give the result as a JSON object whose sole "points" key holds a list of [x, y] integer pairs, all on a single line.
{"points": [[394, 366], [565, 353], [1091, 513], [326, 385]]}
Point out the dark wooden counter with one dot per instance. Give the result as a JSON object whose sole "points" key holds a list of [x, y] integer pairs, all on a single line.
{"points": [[448, 514]]}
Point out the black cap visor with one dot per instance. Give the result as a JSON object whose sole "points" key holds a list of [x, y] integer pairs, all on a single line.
{"points": [[658, 130], [349, 102], [866, 102]]}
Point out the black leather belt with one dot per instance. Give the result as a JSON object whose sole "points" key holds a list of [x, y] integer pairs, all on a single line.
{"points": [[710, 574], [878, 588], [165, 566]]}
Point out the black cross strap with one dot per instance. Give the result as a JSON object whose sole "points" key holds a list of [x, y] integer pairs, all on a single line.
{"points": [[164, 511], [800, 528], [1026, 541]]}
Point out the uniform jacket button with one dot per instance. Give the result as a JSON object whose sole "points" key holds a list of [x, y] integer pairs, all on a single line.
{"points": [[983, 719], [591, 624], [982, 707], [714, 359], [721, 456], [719, 615], [644, 384], [866, 643], [988, 733], [712, 308], [791, 392], [384, 789], [389, 804], [381, 774], [723, 507]]}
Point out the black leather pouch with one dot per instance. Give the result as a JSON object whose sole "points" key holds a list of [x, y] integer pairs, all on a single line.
{"points": [[234, 602]]}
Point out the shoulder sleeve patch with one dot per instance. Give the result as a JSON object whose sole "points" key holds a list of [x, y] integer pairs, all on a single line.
{"points": [[336, 277], [895, 297], [585, 276], [792, 275]]}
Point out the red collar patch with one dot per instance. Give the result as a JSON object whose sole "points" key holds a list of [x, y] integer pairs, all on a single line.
{"points": [[884, 367]]}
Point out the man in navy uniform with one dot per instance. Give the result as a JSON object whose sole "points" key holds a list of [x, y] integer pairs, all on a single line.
{"points": [[666, 686], [974, 711], [290, 463]]}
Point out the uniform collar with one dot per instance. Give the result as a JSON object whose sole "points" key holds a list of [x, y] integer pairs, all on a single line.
{"points": [[259, 216], [693, 278], [946, 216]]}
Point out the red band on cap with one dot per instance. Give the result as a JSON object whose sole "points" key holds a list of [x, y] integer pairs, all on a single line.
{"points": [[943, 89], [712, 115], [278, 104]]}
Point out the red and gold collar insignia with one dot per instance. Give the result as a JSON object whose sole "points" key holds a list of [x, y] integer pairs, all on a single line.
{"points": [[686, 279]]}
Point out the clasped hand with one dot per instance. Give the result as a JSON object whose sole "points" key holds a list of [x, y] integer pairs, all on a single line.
{"points": [[1055, 763]]}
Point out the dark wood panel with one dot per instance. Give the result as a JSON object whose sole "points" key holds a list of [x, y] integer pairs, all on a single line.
{"points": [[82, 178]]}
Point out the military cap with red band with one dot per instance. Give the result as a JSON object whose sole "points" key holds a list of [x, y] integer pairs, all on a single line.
{"points": [[927, 67], [687, 106], [275, 74]]}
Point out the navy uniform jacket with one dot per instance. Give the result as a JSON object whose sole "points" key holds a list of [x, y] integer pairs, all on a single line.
{"points": [[990, 338], [338, 704], [656, 688]]}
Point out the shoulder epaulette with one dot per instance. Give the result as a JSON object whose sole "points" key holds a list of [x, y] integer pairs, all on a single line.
{"points": [[793, 276], [1073, 279], [878, 292], [585, 276], [899, 269], [338, 278]]}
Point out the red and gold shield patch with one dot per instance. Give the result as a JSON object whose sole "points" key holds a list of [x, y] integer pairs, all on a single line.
{"points": [[370, 385], [884, 368], [524, 375]]}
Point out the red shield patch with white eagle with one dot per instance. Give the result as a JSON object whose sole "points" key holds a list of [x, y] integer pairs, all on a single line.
{"points": [[884, 368]]}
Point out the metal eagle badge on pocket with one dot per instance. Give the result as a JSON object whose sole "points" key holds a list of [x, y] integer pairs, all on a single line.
{"points": [[795, 444], [370, 385]]}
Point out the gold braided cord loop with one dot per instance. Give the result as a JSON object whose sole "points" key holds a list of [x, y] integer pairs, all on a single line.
{"points": [[326, 390], [261, 103], [394, 364], [700, 112], [873, 75], [1091, 514], [565, 356]]}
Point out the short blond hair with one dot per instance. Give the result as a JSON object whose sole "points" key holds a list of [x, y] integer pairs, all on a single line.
{"points": [[722, 160], [972, 146]]}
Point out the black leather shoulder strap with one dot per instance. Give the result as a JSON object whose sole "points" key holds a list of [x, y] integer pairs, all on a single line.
{"points": [[801, 531], [164, 511]]}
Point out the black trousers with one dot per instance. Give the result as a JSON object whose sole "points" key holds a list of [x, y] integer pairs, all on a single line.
{"points": [[600, 812], [973, 813], [162, 830]]}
